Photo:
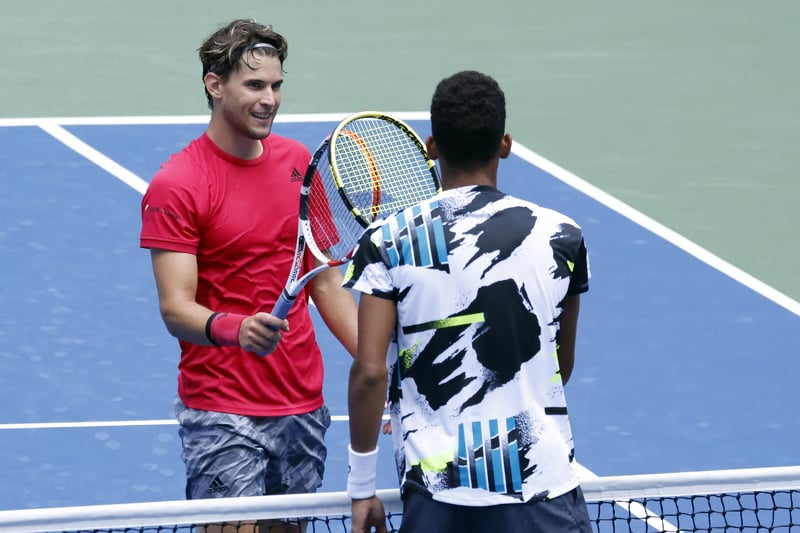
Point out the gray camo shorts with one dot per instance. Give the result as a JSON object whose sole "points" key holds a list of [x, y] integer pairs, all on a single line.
{"points": [[230, 455]]}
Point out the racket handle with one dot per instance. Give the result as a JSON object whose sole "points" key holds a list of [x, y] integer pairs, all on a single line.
{"points": [[283, 305], [281, 309]]}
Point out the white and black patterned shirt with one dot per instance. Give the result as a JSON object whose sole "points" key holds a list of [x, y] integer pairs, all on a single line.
{"points": [[477, 403]]}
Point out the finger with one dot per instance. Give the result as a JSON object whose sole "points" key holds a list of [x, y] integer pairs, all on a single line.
{"points": [[262, 340], [272, 323], [259, 335], [276, 323]]}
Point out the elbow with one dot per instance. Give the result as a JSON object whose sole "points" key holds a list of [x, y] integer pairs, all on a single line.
{"points": [[565, 374], [369, 377], [566, 362], [170, 319]]}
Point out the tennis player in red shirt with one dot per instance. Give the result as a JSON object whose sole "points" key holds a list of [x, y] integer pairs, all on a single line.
{"points": [[220, 221]]}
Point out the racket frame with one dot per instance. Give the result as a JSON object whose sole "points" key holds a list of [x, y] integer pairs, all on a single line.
{"points": [[341, 130], [295, 284]]}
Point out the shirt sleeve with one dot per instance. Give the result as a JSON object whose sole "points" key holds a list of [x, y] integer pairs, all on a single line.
{"points": [[370, 272], [170, 214], [579, 281], [569, 253]]}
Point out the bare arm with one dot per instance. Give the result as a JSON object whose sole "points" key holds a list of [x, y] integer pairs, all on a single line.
{"points": [[368, 374], [567, 334], [176, 280], [337, 307], [367, 394]]}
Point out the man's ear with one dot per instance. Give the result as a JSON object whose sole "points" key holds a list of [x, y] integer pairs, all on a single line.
{"points": [[505, 146], [433, 151], [213, 85]]}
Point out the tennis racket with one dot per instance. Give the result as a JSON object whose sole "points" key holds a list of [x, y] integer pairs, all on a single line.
{"points": [[370, 166]]}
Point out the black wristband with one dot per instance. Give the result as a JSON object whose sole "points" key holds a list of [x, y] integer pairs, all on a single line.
{"points": [[208, 328]]}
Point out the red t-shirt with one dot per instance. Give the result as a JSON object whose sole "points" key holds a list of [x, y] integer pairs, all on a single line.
{"points": [[239, 217]]}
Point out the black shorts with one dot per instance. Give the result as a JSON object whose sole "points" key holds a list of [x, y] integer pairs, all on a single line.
{"points": [[564, 514]]}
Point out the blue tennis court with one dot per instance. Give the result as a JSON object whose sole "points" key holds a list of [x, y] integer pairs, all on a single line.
{"points": [[683, 362]]}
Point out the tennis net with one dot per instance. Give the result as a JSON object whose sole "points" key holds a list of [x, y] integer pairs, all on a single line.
{"points": [[746, 500]]}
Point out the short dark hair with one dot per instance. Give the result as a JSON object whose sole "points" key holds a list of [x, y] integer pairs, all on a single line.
{"points": [[222, 51], [468, 118]]}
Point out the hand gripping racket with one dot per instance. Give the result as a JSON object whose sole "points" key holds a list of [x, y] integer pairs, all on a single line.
{"points": [[370, 166]]}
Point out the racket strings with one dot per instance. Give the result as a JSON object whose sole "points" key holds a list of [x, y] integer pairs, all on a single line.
{"points": [[381, 168], [334, 231]]}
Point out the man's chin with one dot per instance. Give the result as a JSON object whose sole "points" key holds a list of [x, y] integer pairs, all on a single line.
{"points": [[262, 128], [258, 134]]}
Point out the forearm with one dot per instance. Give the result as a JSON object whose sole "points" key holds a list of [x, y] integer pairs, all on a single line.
{"points": [[187, 321], [343, 322], [366, 400], [338, 309], [176, 281], [366, 394], [368, 375], [568, 330]]}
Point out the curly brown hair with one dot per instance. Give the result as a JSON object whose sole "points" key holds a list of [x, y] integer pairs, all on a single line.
{"points": [[224, 52]]}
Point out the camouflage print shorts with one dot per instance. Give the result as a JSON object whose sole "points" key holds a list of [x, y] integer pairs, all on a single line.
{"points": [[230, 455]]}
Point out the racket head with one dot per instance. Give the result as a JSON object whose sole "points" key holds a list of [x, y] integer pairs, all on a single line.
{"points": [[296, 282], [380, 165], [330, 230]]}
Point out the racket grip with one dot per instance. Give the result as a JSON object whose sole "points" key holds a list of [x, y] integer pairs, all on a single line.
{"points": [[281, 309], [283, 305]]}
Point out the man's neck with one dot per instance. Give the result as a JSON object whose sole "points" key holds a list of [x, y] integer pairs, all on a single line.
{"points": [[453, 179], [232, 141]]}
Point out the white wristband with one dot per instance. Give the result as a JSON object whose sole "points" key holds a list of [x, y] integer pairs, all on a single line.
{"points": [[361, 473]]}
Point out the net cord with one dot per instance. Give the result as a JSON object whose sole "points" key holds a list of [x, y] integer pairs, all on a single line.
{"points": [[620, 489], [677, 484], [184, 512]]}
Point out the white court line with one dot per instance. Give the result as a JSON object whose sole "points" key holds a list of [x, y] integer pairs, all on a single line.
{"points": [[187, 119], [659, 229], [99, 159], [633, 508], [95, 424], [119, 423]]}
